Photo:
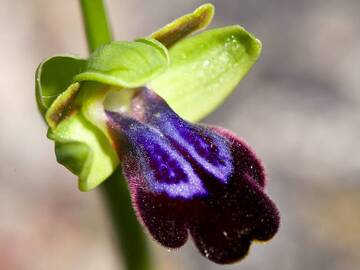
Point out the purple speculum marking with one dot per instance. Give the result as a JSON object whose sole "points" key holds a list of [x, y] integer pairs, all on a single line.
{"points": [[189, 178], [166, 170], [209, 150]]}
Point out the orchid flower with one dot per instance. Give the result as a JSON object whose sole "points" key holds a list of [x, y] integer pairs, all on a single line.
{"points": [[135, 104]]}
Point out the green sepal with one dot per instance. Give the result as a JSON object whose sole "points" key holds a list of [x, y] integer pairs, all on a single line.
{"points": [[205, 69], [185, 25], [53, 76], [72, 155], [125, 64], [157, 44], [84, 150]]}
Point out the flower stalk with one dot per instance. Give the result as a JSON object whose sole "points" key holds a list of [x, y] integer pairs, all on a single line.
{"points": [[128, 233], [96, 23]]}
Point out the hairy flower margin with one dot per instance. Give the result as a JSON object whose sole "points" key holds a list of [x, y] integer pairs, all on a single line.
{"points": [[133, 104]]}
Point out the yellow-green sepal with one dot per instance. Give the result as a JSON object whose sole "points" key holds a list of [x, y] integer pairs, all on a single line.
{"points": [[204, 69], [125, 64], [53, 76], [84, 150]]}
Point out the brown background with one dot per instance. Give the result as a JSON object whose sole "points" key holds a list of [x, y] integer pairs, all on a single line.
{"points": [[298, 107]]}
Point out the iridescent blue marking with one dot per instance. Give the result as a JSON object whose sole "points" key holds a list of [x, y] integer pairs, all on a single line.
{"points": [[163, 167], [208, 149]]}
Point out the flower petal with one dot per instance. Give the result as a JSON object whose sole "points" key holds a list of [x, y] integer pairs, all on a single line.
{"points": [[185, 25], [61, 107], [235, 214], [244, 156], [165, 218], [192, 178], [230, 219]]}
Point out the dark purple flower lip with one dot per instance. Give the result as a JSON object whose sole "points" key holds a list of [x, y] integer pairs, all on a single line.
{"points": [[189, 178]]}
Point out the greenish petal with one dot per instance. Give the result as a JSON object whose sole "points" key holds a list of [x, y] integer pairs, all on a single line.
{"points": [[92, 98], [53, 76], [126, 64], [205, 69], [84, 150], [62, 105], [185, 25]]}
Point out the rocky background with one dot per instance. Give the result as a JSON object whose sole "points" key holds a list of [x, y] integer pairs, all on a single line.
{"points": [[298, 107]]}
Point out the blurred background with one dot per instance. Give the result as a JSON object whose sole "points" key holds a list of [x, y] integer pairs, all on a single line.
{"points": [[298, 107]]}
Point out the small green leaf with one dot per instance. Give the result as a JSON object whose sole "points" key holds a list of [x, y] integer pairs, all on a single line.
{"points": [[185, 25], [205, 69], [84, 150], [53, 76], [126, 64]]}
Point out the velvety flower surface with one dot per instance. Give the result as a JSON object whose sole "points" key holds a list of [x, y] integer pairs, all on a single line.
{"points": [[190, 178]]}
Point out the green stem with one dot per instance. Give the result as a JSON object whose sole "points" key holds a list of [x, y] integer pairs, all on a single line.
{"points": [[129, 235], [96, 23]]}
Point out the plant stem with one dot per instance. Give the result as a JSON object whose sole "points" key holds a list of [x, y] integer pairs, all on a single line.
{"points": [[129, 235], [97, 26]]}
